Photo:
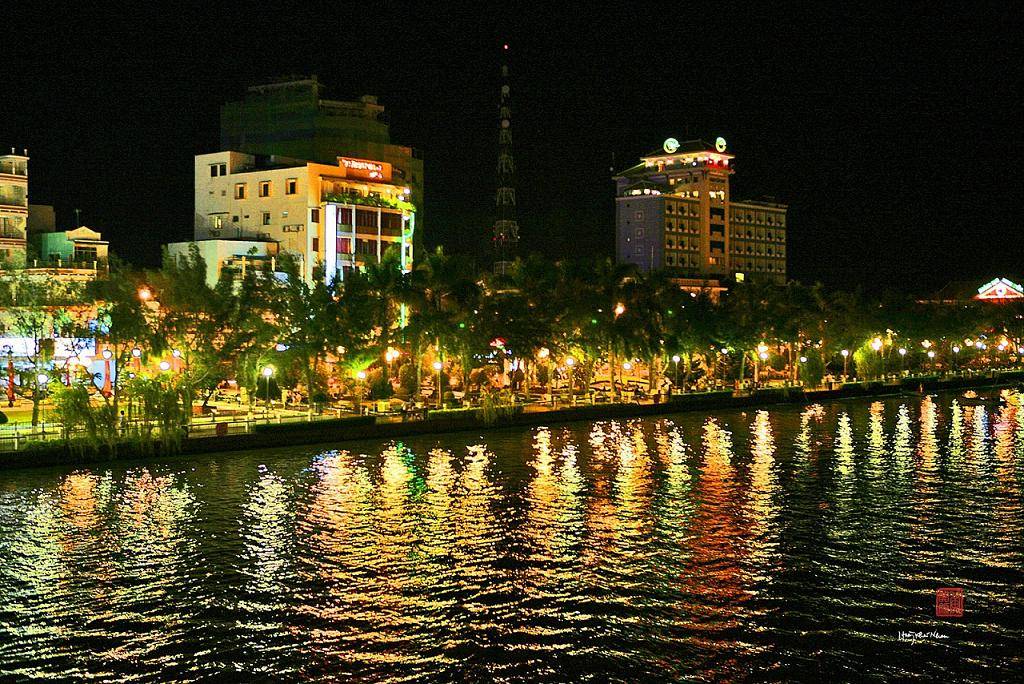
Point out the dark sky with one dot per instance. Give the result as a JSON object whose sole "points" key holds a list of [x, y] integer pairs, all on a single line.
{"points": [[896, 140]]}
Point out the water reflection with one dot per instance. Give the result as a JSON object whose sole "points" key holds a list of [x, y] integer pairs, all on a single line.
{"points": [[691, 547]]}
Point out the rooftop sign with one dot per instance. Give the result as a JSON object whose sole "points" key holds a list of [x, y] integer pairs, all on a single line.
{"points": [[365, 168], [1000, 288]]}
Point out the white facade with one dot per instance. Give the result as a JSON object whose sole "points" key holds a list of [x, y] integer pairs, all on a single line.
{"points": [[13, 208], [235, 254], [303, 208]]}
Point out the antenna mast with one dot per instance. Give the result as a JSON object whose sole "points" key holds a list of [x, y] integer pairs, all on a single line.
{"points": [[506, 228]]}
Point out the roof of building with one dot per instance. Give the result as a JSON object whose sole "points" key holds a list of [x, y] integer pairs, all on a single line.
{"points": [[967, 290], [685, 147]]}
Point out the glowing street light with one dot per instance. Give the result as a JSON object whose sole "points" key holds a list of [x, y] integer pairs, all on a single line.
{"points": [[926, 343], [107, 390], [267, 372], [176, 353], [145, 294], [438, 365], [876, 343], [675, 360], [620, 309], [165, 366], [627, 366], [846, 361]]}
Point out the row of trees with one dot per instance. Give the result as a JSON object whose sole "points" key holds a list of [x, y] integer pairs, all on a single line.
{"points": [[382, 330]]}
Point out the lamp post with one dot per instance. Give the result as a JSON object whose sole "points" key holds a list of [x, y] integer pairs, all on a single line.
{"points": [[846, 361], [956, 352], [41, 380], [9, 350], [803, 360], [360, 377], [137, 355], [931, 358], [877, 344], [903, 353], [545, 353], [107, 355], [675, 360], [437, 367], [570, 362], [268, 371]]}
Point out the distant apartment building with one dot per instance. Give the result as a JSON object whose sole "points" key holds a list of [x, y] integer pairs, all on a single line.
{"points": [[13, 209], [291, 118], [674, 211], [29, 240], [341, 215]]}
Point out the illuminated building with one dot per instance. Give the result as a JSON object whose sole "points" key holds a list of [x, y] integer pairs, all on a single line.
{"points": [[290, 118], [505, 233], [342, 215], [995, 291], [674, 211], [238, 255], [13, 208]]}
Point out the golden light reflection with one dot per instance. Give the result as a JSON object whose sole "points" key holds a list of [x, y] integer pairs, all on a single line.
{"points": [[761, 507]]}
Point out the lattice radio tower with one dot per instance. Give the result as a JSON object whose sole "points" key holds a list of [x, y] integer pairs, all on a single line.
{"points": [[506, 228]]}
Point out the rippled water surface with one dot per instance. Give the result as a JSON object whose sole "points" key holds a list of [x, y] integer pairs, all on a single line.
{"points": [[788, 544]]}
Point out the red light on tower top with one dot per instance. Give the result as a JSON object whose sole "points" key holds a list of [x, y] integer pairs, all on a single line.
{"points": [[506, 46]]}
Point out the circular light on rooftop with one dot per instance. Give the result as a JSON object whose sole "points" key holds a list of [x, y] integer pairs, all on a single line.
{"points": [[720, 144], [670, 145]]}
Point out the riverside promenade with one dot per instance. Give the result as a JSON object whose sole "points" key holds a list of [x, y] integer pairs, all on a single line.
{"points": [[268, 434]]}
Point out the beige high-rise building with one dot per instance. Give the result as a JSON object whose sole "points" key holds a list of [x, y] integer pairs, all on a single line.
{"points": [[674, 211]]}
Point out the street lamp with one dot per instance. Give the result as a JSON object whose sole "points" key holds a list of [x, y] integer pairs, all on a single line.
{"points": [[956, 350], [165, 366], [569, 363], [675, 360], [620, 309], [437, 367], [846, 361], [545, 353], [107, 355], [145, 294], [9, 350], [268, 371], [877, 345]]}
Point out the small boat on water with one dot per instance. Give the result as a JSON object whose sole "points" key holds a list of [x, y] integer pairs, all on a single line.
{"points": [[971, 398]]}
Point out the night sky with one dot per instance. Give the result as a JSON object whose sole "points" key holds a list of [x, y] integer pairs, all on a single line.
{"points": [[896, 140]]}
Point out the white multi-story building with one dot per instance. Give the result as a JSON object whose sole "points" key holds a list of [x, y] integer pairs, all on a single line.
{"points": [[13, 208], [341, 216]]}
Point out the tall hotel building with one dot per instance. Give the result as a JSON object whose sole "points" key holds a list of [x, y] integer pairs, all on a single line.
{"points": [[674, 211]]}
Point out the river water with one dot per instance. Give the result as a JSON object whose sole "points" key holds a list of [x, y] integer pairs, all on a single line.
{"points": [[793, 544]]}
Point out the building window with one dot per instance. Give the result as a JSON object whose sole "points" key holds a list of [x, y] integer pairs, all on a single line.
{"points": [[314, 215], [234, 219], [239, 191], [639, 216], [218, 222], [290, 186], [266, 218], [223, 169], [264, 188], [316, 244], [214, 170]]}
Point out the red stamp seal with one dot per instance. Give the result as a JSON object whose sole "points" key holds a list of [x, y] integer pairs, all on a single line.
{"points": [[949, 602]]}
